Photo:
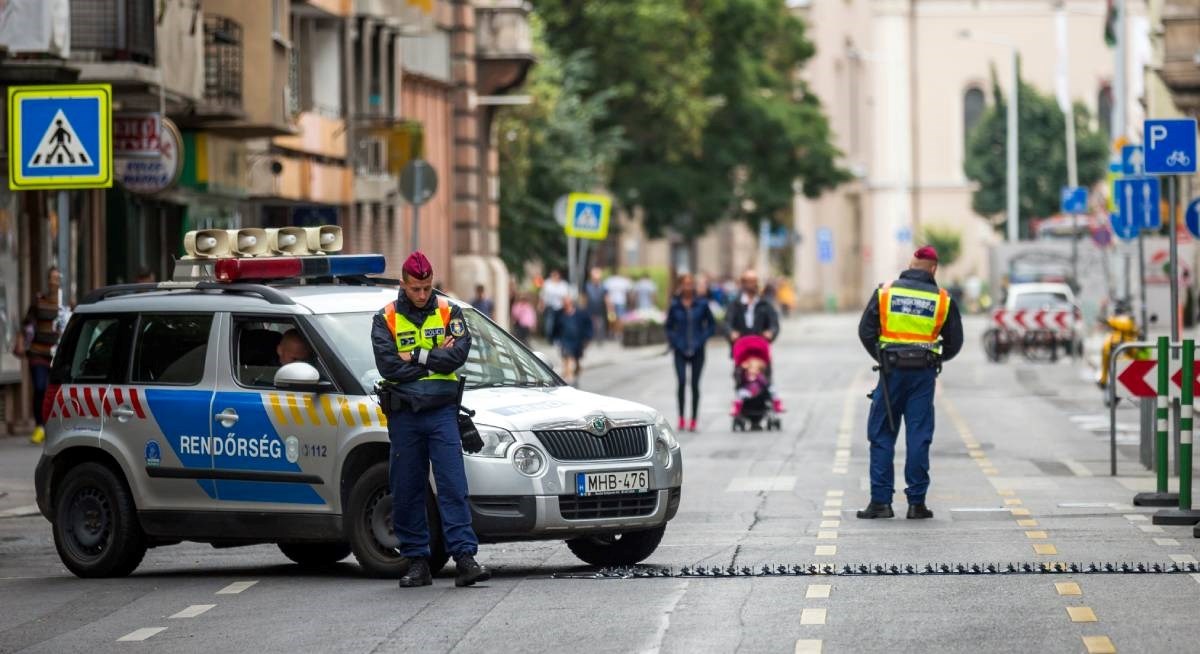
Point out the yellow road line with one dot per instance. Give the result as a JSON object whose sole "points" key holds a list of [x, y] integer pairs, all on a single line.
{"points": [[1036, 535], [1066, 588], [1081, 614], [1027, 523], [1099, 645], [1045, 548]]}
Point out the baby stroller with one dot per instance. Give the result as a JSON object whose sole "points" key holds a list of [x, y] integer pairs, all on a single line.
{"points": [[755, 407]]}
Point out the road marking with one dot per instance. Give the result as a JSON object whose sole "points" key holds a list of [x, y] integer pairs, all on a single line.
{"points": [[830, 524], [812, 616], [1166, 542], [825, 550], [1013, 501], [1099, 645], [1036, 535], [991, 472], [1151, 529], [831, 513], [1068, 588], [826, 535], [1020, 511], [1184, 558], [1077, 468], [193, 611], [1081, 614], [236, 587], [1007, 492], [1045, 548], [839, 471], [976, 454], [1196, 576], [835, 493], [833, 503], [1137, 517], [754, 484], [808, 646], [140, 634], [1027, 523], [818, 591]]}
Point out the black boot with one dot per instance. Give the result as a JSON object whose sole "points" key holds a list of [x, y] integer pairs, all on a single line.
{"points": [[919, 512], [469, 571], [876, 510], [418, 574]]}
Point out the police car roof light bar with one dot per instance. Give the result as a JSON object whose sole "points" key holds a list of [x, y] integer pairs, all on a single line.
{"points": [[261, 268]]}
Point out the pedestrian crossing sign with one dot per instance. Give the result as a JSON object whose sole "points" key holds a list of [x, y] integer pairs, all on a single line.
{"points": [[60, 137], [587, 216]]}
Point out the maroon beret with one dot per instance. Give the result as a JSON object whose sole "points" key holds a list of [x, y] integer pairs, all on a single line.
{"points": [[928, 253], [417, 266]]}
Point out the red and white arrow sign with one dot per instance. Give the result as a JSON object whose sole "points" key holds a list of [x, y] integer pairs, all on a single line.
{"points": [[1137, 378], [1023, 320]]}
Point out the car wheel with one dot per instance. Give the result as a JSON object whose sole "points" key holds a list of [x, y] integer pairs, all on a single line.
{"points": [[315, 555], [368, 517], [627, 548], [96, 531]]}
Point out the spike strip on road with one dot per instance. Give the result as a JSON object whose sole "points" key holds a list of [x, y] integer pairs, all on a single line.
{"points": [[887, 570]]}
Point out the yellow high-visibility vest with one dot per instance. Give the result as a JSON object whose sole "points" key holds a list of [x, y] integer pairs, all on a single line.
{"points": [[912, 317], [427, 336]]}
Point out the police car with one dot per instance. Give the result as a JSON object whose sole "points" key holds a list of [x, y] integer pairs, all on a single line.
{"points": [[233, 406]]}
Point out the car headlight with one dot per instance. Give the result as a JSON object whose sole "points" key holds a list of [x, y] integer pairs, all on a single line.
{"points": [[664, 442], [496, 442], [528, 461]]}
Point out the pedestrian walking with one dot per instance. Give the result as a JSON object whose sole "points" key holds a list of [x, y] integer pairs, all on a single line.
{"points": [[910, 327], [524, 317], [483, 303], [751, 313], [689, 325], [597, 303], [41, 330], [420, 341], [572, 332], [646, 292], [554, 289]]}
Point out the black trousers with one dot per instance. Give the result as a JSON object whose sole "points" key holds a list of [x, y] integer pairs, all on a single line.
{"points": [[696, 361]]}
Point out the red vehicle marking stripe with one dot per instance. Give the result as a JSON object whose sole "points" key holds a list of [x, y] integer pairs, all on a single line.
{"points": [[120, 396], [104, 400], [137, 405], [62, 406], [91, 406]]}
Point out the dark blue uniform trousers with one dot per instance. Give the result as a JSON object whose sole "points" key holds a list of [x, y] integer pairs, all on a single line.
{"points": [[911, 392], [419, 439]]}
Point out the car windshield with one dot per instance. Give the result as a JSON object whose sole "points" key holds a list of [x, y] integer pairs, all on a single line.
{"points": [[496, 359], [1041, 300]]}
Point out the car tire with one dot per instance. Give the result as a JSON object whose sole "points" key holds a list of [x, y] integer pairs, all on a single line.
{"points": [[96, 531], [627, 548], [315, 555], [368, 525]]}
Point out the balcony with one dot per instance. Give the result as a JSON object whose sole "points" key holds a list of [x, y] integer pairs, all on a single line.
{"points": [[504, 44], [1180, 69], [222, 69], [113, 30]]}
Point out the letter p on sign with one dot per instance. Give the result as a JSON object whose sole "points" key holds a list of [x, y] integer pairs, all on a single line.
{"points": [[1157, 133]]}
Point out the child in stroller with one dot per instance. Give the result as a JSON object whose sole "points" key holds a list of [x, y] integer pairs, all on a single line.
{"points": [[755, 398]]}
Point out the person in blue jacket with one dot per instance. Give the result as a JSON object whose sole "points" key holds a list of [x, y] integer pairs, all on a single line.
{"points": [[572, 332], [690, 324]]}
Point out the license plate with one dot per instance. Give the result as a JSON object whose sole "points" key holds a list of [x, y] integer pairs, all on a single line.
{"points": [[611, 483]]}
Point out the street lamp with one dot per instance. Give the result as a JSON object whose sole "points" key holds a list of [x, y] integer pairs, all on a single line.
{"points": [[1013, 186]]}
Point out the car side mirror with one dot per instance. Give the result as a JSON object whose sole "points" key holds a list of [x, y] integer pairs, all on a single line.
{"points": [[300, 376]]}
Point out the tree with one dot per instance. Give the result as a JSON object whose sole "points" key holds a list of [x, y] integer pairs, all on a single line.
{"points": [[707, 96], [946, 240], [1042, 155], [548, 148]]}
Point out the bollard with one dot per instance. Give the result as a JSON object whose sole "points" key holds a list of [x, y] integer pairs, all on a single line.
{"points": [[1184, 515], [1160, 497]]}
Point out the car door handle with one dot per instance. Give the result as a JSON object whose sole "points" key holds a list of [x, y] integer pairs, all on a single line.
{"points": [[227, 418], [123, 413]]}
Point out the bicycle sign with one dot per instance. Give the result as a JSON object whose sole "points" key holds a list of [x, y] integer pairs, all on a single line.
{"points": [[1170, 146]]}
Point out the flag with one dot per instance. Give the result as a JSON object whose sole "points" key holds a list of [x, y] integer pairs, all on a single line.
{"points": [[1110, 23]]}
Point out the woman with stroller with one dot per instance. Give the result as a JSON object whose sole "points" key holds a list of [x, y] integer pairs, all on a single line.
{"points": [[689, 325]]}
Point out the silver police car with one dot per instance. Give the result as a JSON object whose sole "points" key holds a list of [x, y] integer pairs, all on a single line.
{"points": [[239, 411]]}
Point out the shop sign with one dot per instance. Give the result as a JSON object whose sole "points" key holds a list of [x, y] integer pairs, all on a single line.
{"points": [[136, 135], [148, 175]]}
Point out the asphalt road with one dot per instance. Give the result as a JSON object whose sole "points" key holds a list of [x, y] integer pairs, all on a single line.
{"points": [[1020, 464]]}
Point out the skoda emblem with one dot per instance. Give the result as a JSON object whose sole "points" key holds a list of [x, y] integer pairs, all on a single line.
{"points": [[599, 425]]}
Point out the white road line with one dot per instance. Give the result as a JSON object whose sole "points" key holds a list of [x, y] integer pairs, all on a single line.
{"points": [[140, 634], [1076, 467], [1151, 529], [818, 591], [193, 611], [1196, 576], [1137, 517], [1166, 542], [236, 587], [1184, 558], [808, 646], [751, 484], [812, 616]]}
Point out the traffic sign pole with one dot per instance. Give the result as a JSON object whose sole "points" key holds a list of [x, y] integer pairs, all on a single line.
{"points": [[1184, 515], [1160, 497]]}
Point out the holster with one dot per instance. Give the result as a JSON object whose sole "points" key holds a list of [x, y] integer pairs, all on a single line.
{"points": [[911, 359]]}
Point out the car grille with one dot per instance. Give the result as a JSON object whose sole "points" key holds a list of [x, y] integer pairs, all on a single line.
{"points": [[579, 445], [630, 505]]}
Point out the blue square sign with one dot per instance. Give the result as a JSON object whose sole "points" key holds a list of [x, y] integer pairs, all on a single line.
{"points": [[60, 137], [1131, 160], [1170, 146], [1138, 201], [1074, 199]]}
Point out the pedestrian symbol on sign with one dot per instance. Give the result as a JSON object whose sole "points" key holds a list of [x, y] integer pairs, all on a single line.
{"points": [[60, 146], [587, 216]]}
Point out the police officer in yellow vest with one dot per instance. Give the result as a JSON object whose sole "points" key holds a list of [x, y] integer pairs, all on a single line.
{"points": [[910, 327], [420, 340]]}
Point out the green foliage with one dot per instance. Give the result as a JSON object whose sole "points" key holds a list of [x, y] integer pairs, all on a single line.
{"points": [[548, 148], [946, 240], [1042, 155]]}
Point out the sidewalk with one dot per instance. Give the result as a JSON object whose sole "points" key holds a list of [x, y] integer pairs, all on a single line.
{"points": [[18, 457]]}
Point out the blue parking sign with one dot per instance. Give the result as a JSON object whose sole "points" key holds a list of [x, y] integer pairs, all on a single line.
{"points": [[1074, 199], [1170, 146], [1138, 202]]}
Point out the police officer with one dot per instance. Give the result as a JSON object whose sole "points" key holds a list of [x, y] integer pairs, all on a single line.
{"points": [[420, 340], [910, 327]]}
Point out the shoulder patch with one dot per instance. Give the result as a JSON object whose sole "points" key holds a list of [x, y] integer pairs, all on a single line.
{"points": [[457, 328]]}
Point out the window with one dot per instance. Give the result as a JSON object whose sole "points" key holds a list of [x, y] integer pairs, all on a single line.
{"points": [[973, 105], [1104, 109], [171, 349], [265, 345], [92, 349]]}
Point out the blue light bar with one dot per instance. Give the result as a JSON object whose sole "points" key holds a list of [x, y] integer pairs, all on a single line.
{"points": [[342, 265]]}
